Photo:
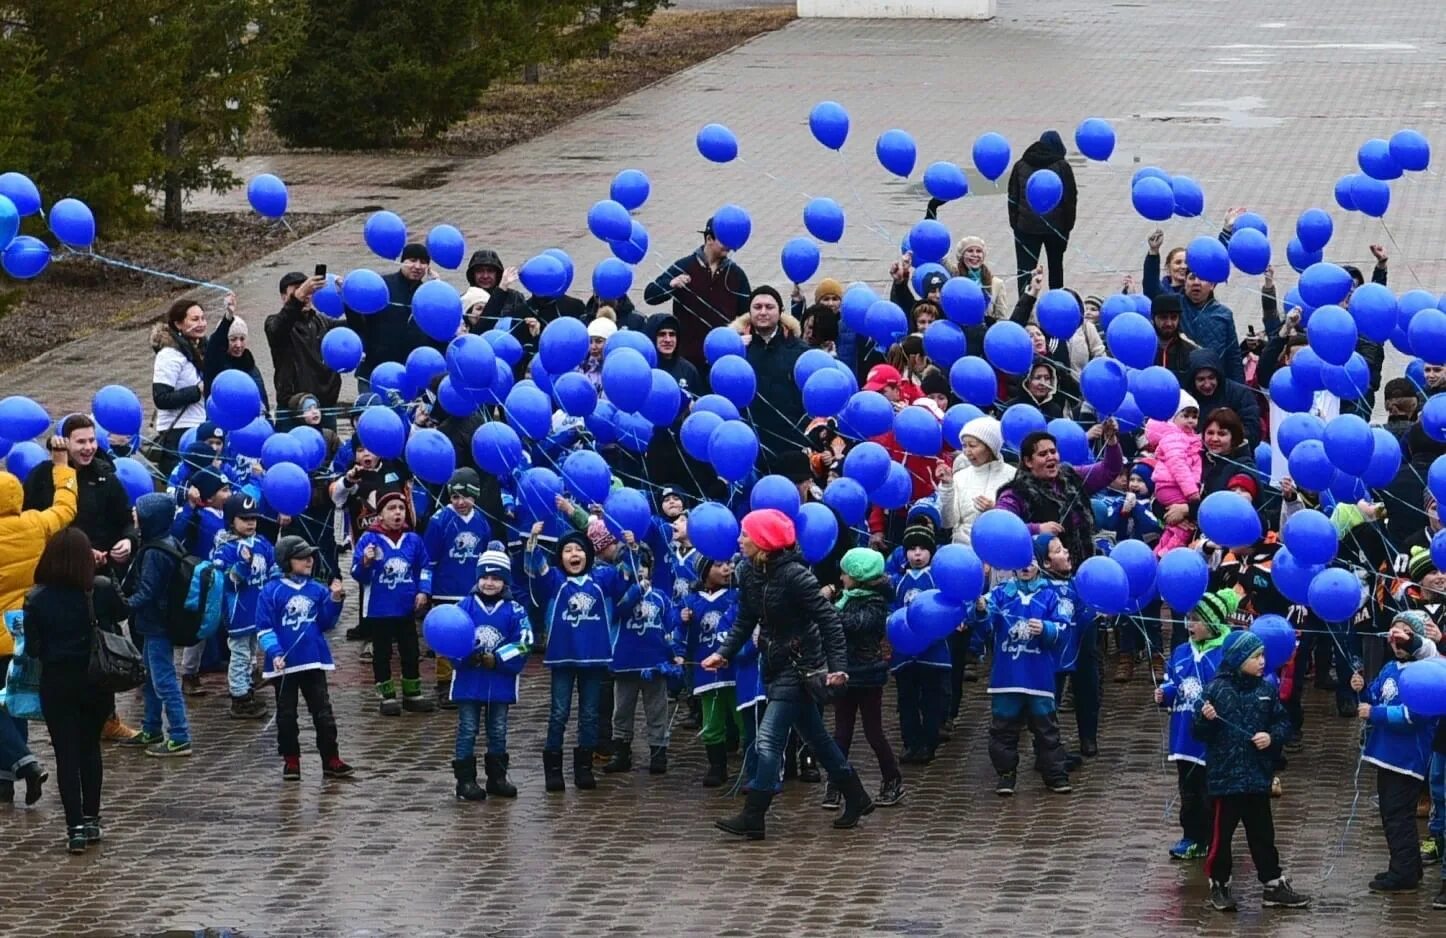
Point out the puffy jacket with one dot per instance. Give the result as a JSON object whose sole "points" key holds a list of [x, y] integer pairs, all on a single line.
{"points": [[23, 536], [294, 335], [777, 410], [970, 481], [1058, 221], [176, 380], [1232, 394], [1245, 706], [1212, 326], [1178, 462], [864, 619], [798, 630], [502, 303]]}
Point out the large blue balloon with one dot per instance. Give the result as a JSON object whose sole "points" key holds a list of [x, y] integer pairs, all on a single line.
{"points": [[630, 189], [1059, 313], [1182, 577], [733, 449], [867, 414], [824, 219], [313, 446], [538, 488], [917, 431], [117, 409], [929, 240], [1019, 421], [635, 340], [722, 341], [1426, 334], [1411, 150], [134, 478], [365, 291], [563, 345], [25, 257], [18, 188], [382, 431], [732, 226], [544, 275], [867, 464], [1292, 577], [663, 400], [1332, 334], [963, 301], [810, 363], [1335, 594], [896, 152], [1153, 198], [1313, 229], [9, 222], [1287, 394], [328, 299], [958, 572], [944, 343], [437, 309], [21, 418], [389, 380], [896, 490], [529, 411], [826, 392], [1157, 392], [1373, 306], [287, 488], [423, 364], [945, 181], [1131, 338], [1278, 636], [1310, 467], [1208, 259], [1376, 161], [1189, 198], [799, 259], [449, 632], [817, 529], [1103, 585], [1229, 520], [1349, 444], [627, 379], [386, 234], [23, 457], [609, 220], [250, 439], [1296, 429], [446, 246], [886, 323], [1310, 536], [1008, 347], [991, 155], [1138, 561], [1069, 436], [237, 400], [635, 248], [733, 378], [1002, 540], [473, 365], [713, 530], [848, 498], [496, 448], [587, 475], [829, 123], [954, 420], [774, 491], [627, 510], [575, 394], [1323, 284], [974, 381], [1044, 190], [933, 616], [281, 448], [903, 639], [1300, 259], [1095, 138], [431, 456], [1104, 384], [1385, 459], [72, 222], [717, 144], [1372, 196], [1423, 688], [718, 404]]}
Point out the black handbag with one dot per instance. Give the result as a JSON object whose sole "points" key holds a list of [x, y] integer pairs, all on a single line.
{"points": [[115, 664]]}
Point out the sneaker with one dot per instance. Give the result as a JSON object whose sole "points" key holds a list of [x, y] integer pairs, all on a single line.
{"points": [[1005, 788], [1439, 902], [335, 768], [141, 740], [1220, 898], [366, 652], [1059, 786], [891, 792], [1182, 848], [291, 769], [170, 749], [1073, 761], [390, 707], [1431, 850], [116, 731], [191, 685], [1196, 852], [1279, 894], [832, 799]]}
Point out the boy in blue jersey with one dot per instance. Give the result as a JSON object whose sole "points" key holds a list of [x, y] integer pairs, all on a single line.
{"points": [[1191, 668], [293, 615], [1399, 746], [391, 562], [922, 682], [648, 646], [485, 683], [1075, 653], [247, 560], [195, 526], [707, 613], [455, 537]]}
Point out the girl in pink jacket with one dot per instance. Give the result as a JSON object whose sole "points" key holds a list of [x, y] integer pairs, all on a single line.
{"points": [[1178, 463]]}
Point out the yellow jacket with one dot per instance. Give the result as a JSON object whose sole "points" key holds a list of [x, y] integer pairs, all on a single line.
{"points": [[23, 536]]}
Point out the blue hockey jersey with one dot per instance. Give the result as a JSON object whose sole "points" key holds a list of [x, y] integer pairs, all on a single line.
{"points": [[393, 580], [711, 617], [292, 617], [1399, 740], [1191, 668], [247, 564], [1022, 663], [581, 627], [453, 545], [907, 585], [647, 631], [501, 628]]}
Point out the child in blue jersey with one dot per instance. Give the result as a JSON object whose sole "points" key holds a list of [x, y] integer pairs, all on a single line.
{"points": [[579, 600], [391, 563], [923, 681], [488, 678], [648, 647], [248, 561], [293, 615], [1191, 668], [455, 537], [1076, 651], [1021, 617], [707, 613], [1399, 746], [195, 526]]}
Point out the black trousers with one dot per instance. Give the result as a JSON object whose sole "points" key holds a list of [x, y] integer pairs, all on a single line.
{"points": [[1398, 794], [958, 652], [383, 632], [74, 715], [924, 697], [1253, 810], [312, 686], [1194, 802], [1027, 251]]}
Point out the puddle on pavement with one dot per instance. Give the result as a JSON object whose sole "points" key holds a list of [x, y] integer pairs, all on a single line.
{"points": [[1235, 113], [428, 177]]}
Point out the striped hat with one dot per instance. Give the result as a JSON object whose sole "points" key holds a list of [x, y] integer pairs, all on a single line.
{"points": [[1420, 564], [1215, 610], [494, 562]]}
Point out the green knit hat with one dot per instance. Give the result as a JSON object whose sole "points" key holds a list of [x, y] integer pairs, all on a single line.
{"points": [[862, 564], [1215, 610]]}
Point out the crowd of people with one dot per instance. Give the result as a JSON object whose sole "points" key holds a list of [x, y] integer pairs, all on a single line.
{"points": [[751, 648]]}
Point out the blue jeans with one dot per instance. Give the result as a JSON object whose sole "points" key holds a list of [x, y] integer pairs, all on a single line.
{"points": [[163, 691], [803, 717], [588, 682], [469, 720], [1436, 778], [238, 672], [14, 747]]}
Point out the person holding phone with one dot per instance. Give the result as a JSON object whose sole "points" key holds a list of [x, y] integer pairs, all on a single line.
{"points": [[294, 336]]}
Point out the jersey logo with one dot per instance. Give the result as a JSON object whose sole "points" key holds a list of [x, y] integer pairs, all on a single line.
{"points": [[299, 611], [1388, 690], [394, 572], [464, 547], [486, 638]]}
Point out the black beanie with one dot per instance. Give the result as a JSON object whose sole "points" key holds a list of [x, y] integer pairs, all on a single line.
{"points": [[416, 252], [766, 290]]}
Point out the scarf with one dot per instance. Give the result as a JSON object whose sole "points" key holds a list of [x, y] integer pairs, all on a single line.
{"points": [[1068, 504]]}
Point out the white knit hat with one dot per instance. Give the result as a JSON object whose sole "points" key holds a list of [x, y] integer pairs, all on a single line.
{"points": [[238, 328], [987, 431], [1186, 401], [601, 328], [474, 296]]}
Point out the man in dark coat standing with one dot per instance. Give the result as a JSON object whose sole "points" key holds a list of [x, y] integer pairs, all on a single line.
{"points": [[706, 289], [773, 348], [1035, 233], [390, 335], [294, 335]]}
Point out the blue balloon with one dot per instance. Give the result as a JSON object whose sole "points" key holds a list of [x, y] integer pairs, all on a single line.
{"points": [[1436, 479], [1019, 421], [945, 181], [544, 275], [586, 475], [9, 222], [886, 323], [21, 418], [1002, 540], [251, 439], [810, 363], [1332, 334], [635, 340], [389, 380], [437, 310], [1423, 688], [630, 189], [1131, 338], [1208, 259], [1427, 335], [386, 234], [932, 616], [991, 156], [1372, 196], [1324, 284], [446, 246], [824, 219], [1182, 577], [826, 392], [1287, 394], [896, 490], [1095, 138], [848, 498], [1385, 459], [903, 639], [134, 478], [1104, 384], [608, 220], [799, 258], [1292, 577], [1373, 307], [896, 152], [929, 240], [944, 343], [1376, 161], [974, 381], [775, 491], [23, 457], [1008, 347], [829, 123], [496, 448], [1306, 366], [1347, 488], [664, 400], [472, 364], [1059, 313], [918, 431], [855, 307], [287, 488], [1156, 391], [455, 400], [237, 400], [1153, 198], [423, 364], [1299, 257], [1128, 416], [733, 378], [717, 144], [117, 409], [1229, 520], [1296, 429], [1313, 229], [1411, 150], [538, 488], [733, 449], [627, 379], [732, 226], [1103, 585], [867, 414], [1069, 436], [328, 299], [25, 257], [449, 632], [1278, 637], [635, 248], [627, 510], [1349, 444], [313, 446], [1345, 197], [954, 420], [365, 292], [718, 404], [867, 464], [1263, 457], [963, 301], [817, 529], [1044, 190], [431, 456], [1252, 221], [1416, 374], [958, 572], [1335, 594], [1310, 467], [529, 411], [1188, 197], [382, 431], [562, 345], [72, 222], [1310, 536], [611, 278], [18, 188], [713, 530], [575, 394]]}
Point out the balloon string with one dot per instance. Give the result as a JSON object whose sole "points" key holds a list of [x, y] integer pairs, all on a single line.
{"points": [[116, 262]]}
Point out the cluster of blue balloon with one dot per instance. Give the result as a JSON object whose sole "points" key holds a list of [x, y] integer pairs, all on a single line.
{"points": [[934, 614], [1158, 196], [25, 256], [1381, 161]]}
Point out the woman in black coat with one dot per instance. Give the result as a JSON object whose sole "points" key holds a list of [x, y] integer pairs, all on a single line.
{"points": [[59, 615], [800, 646]]}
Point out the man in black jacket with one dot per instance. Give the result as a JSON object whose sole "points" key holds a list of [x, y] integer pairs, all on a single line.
{"points": [[390, 335], [294, 335], [773, 348], [1213, 390], [103, 509], [485, 270]]}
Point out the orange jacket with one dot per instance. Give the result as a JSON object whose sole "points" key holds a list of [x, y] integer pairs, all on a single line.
{"points": [[23, 536]]}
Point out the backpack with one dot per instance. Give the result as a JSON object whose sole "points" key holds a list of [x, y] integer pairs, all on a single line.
{"points": [[194, 597]]}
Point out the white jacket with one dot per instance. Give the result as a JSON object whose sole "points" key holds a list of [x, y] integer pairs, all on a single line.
{"points": [[956, 500]]}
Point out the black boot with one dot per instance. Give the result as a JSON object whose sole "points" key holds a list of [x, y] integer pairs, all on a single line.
{"points": [[33, 776], [552, 770], [497, 781], [717, 772], [808, 766], [657, 760], [748, 822], [7, 792], [465, 771], [444, 696], [622, 760], [857, 802], [582, 775], [75, 839]]}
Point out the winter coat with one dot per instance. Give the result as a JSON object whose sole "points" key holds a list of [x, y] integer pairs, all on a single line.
{"points": [[1212, 325], [148, 581], [1398, 741], [1178, 462], [798, 630], [102, 507], [218, 359], [23, 536], [777, 410], [1085, 346], [58, 621], [1064, 500], [957, 498], [294, 336], [1245, 706], [1232, 394], [1174, 355], [1216, 471], [176, 380], [500, 627], [864, 619], [711, 298], [1058, 221]]}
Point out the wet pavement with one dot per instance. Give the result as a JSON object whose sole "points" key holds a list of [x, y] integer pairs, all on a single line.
{"points": [[1265, 107]]}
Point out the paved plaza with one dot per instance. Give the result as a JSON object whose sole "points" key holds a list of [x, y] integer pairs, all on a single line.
{"points": [[1264, 104]]}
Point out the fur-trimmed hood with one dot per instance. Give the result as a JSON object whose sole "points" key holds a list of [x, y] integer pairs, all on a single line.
{"points": [[786, 322]]}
